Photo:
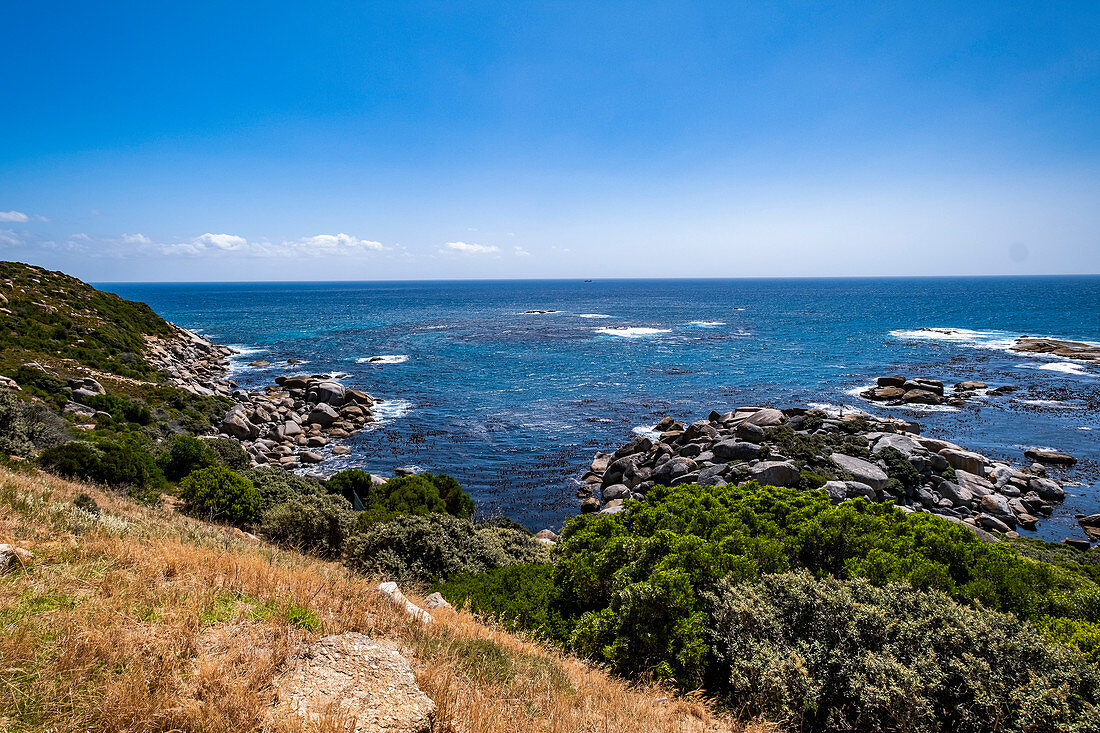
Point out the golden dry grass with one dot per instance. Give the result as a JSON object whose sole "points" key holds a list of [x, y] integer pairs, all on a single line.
{"points": [[144, 620]]}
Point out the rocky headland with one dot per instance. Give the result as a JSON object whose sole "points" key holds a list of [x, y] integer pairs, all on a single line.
{"points": [[856, 455], [287, 424], [1057, 347]]}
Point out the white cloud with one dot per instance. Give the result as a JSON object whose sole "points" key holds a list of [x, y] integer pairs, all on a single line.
{"points": [[521, 252], [128, 238], [7, 236], [226, 242], [333, 244], [13, 216], [470, 249]]}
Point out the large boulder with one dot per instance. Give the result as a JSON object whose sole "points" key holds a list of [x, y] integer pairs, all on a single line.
{"points": [[1046, 488], [735, 450], [862, 471], [974, 483], [329, 393], [776, 473], [323, 415], [956, 494], [672, 468], [236, 425], [892, 381], [766, 418], [365, 684], [964, 460], [1050, 456], [841, 490], [922, 397], [903, 443]]}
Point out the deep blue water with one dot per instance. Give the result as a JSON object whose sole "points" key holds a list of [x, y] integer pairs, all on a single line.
{"points": [[514, 405]]}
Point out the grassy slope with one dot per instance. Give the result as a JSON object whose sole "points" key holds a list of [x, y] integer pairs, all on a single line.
{"points": [[141, 619], [53, 317]]}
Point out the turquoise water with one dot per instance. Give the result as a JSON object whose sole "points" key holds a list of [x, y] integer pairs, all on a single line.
{"points": [[514, 404]]}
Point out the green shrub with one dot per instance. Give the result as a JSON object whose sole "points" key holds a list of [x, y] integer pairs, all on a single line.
{"points": [[310, 523], [120, 408], [829, 655], [230, 453], [184, 455], [903, 476], [436, 547], [1085, 635], [26, 427], [216, 493], [122, 463], [516, 595], [402, 496], [630, 586], [354, 485], [277, 486]]}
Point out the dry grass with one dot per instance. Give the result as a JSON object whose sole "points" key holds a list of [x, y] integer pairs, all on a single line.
{"points": [[144, 620]]}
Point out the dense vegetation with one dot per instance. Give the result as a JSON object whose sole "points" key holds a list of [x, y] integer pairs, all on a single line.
{"points": [[654, 591], [48, 313]]}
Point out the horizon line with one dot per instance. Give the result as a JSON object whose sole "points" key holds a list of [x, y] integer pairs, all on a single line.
{"points": [[592, 280]]}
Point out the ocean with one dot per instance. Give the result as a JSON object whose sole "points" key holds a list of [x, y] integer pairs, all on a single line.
{"points": [[514, 404]]}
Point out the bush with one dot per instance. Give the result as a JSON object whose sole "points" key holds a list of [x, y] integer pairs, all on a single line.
{"points": [[27, 427], [277, 486], [402, 496], [1085, 635], [631, 585], [824, 655], [436, 547], [216, 493], [120, 408], [184, 455], [123, 463], [229, 452], [516, 595], [310, 523], [86, 503]]}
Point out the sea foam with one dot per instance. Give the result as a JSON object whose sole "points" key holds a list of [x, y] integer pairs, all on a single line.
{"points": [[632, 331], [384, 359]]}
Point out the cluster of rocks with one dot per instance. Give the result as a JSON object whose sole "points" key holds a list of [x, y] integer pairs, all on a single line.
{"points": [[740, 446], [899, 390], [191, 362], [288, 424], [1068, 349]]}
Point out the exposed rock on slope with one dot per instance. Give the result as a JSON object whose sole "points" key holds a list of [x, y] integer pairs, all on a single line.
{"points": [[366, 685]]}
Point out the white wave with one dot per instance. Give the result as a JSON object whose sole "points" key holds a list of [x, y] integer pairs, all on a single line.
{"points": [[857, 391], [593, 315], [1083, 427], [632, 331], [707, 324], [386, 410], [384, 359], [833, 409], [1000, 340], [1066, 367], [648, 431], [1051, 403]]}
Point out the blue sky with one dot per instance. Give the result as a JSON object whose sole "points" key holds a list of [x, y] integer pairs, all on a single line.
{"points": [[260, 141]]}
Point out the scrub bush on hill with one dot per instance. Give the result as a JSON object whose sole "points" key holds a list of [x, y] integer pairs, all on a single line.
{"points": [[516, 595], [277, 486], [26, 427], [218, 494], [832, 655], [406, 495], [117, 463], [437, 546], [318, 524], [230, 453], [632, 586], [184, 455]]}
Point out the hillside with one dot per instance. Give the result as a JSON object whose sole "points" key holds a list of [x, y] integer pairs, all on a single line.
{"points": [[57, 320], [128, 618]]}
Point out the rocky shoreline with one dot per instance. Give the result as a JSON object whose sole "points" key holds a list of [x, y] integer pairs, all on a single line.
{"points": [[287, 424], [856, 455], [898, 390]]}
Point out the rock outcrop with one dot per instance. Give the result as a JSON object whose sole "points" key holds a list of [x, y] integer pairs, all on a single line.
{"points": [[353, 683], [855, 456]]}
